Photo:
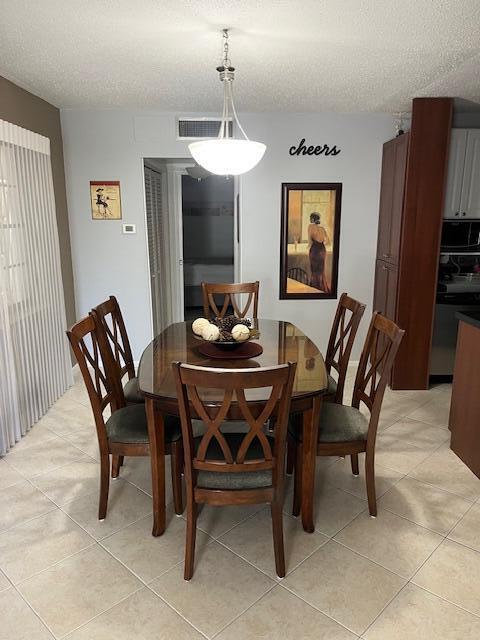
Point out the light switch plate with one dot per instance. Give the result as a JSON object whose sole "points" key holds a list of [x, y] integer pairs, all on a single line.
{"points": [[129, 228]]}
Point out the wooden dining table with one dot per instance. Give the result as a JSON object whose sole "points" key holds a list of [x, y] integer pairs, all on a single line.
{"points": [[281, 342]]}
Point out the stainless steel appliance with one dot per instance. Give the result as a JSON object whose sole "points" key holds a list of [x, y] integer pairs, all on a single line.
{"points": [[458, 289], [460, 236]]}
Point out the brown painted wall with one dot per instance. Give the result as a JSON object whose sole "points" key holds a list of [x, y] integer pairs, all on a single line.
{"points": [[27, 110]]}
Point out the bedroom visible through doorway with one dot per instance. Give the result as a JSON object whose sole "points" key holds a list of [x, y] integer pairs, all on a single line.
{"points": [[192, 236]]}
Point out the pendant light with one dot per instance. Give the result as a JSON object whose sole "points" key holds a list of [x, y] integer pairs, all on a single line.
{"points": [[225, 155]]}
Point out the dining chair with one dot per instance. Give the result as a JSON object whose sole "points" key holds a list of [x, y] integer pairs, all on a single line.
{"points": [[344, 430], [110, 320], [229, 293], [125, 432], [226, 468], [342, 336]]}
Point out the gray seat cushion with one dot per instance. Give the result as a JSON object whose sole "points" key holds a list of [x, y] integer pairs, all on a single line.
{"points": [[338, 423], [240, 480], [131, 391], [129, 425]]}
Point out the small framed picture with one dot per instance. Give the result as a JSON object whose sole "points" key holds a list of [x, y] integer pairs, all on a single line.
{"points": [[105, 200], [310, 240]]}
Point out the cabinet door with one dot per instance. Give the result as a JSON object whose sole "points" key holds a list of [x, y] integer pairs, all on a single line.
{"points": [[394, 162], [401, 154], [470, 201], [456, 163], [386, 197], [385, 293]]}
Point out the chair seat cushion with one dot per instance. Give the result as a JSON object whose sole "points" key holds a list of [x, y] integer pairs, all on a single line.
{"points": [[338, 423], [242, 479], [129, 425], [131, 391]]}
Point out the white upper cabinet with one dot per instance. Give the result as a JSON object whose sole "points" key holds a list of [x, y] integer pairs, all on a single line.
{"points": [[470, 202], [456, 163], [462, 198]]}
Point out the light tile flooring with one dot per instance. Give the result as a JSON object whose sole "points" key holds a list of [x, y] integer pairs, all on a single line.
{"points": [[411, 573]]}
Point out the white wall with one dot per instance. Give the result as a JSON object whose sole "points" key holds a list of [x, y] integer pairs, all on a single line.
{"points": [[110, 145]]}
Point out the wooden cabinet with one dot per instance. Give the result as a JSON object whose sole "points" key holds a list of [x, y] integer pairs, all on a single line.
{"points": [[462, 199], [394, 163], [414, 171]]}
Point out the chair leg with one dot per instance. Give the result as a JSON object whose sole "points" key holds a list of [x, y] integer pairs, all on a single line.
{"points": [[370, 480], [176, 462], [290, 456], [277, 527], [354, 460], [191, 535], [104, 485], [116, 464], [297, 479], [120, 460]]}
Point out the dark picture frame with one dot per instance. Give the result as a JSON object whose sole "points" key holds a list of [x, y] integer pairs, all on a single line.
{"points": [[311, 212]]}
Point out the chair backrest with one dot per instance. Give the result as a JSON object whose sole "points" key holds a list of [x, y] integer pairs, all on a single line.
{"points": [[234, 382], [98, 371], [379, 351], [109, 317], [229, 293], [342, 336]]}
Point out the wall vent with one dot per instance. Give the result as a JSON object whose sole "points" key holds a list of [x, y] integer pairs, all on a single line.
{"points": [[199, 128]]}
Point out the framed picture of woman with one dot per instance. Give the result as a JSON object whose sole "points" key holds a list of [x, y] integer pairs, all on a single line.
{"points": [[310, 239]]}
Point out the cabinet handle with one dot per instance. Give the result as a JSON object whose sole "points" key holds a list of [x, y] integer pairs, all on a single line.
{"points": [[464, 213], [457, 213]]}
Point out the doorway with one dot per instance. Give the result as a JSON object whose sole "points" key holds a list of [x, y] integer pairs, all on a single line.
{"points": [[193, 236]]}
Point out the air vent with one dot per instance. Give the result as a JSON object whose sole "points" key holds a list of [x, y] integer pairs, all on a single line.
{"points": [[199, 128]]}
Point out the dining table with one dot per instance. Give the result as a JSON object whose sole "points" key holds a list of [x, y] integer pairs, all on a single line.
{"points": [[281, 342]]}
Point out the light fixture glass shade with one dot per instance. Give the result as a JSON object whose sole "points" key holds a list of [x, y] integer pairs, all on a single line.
{"points": [[227, 156]]}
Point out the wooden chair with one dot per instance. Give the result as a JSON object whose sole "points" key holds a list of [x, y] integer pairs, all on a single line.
{"points": [[234, 468], [344, 430], [342, 336], [109, 318], [229, 292], [125, 432]]}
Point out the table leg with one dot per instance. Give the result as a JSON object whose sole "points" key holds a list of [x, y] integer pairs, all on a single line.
{"points": [[156, 437], [310, 437]]}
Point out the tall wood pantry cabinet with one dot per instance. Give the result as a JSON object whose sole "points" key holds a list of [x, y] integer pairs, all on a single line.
{"points": [[414, 168]]}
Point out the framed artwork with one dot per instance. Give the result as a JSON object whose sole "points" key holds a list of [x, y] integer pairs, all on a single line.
{"points": [[310, 240], [105, 200]]}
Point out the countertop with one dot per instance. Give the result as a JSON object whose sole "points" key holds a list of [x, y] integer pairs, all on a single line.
{"points": [[472, 317]]}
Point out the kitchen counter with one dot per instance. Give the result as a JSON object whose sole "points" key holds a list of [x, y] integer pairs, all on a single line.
{"points": [[472, 317], [464, 422]]}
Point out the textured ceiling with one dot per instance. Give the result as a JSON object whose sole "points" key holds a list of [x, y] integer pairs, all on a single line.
{"points": [[296, 55]]}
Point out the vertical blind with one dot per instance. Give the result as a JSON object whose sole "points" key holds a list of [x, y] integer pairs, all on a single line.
{"points": [[35, 366], [158, 249]]}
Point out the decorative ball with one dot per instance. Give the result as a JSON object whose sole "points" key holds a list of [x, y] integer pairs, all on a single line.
{"points": [[240, 333], [210, 332], [198, 325]]}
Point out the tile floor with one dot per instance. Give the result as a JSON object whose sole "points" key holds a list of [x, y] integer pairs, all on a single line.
{"points": [[411, 573]]}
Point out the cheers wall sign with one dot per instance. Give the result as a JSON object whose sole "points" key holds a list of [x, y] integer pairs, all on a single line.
{"points": [[322, 149]]}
